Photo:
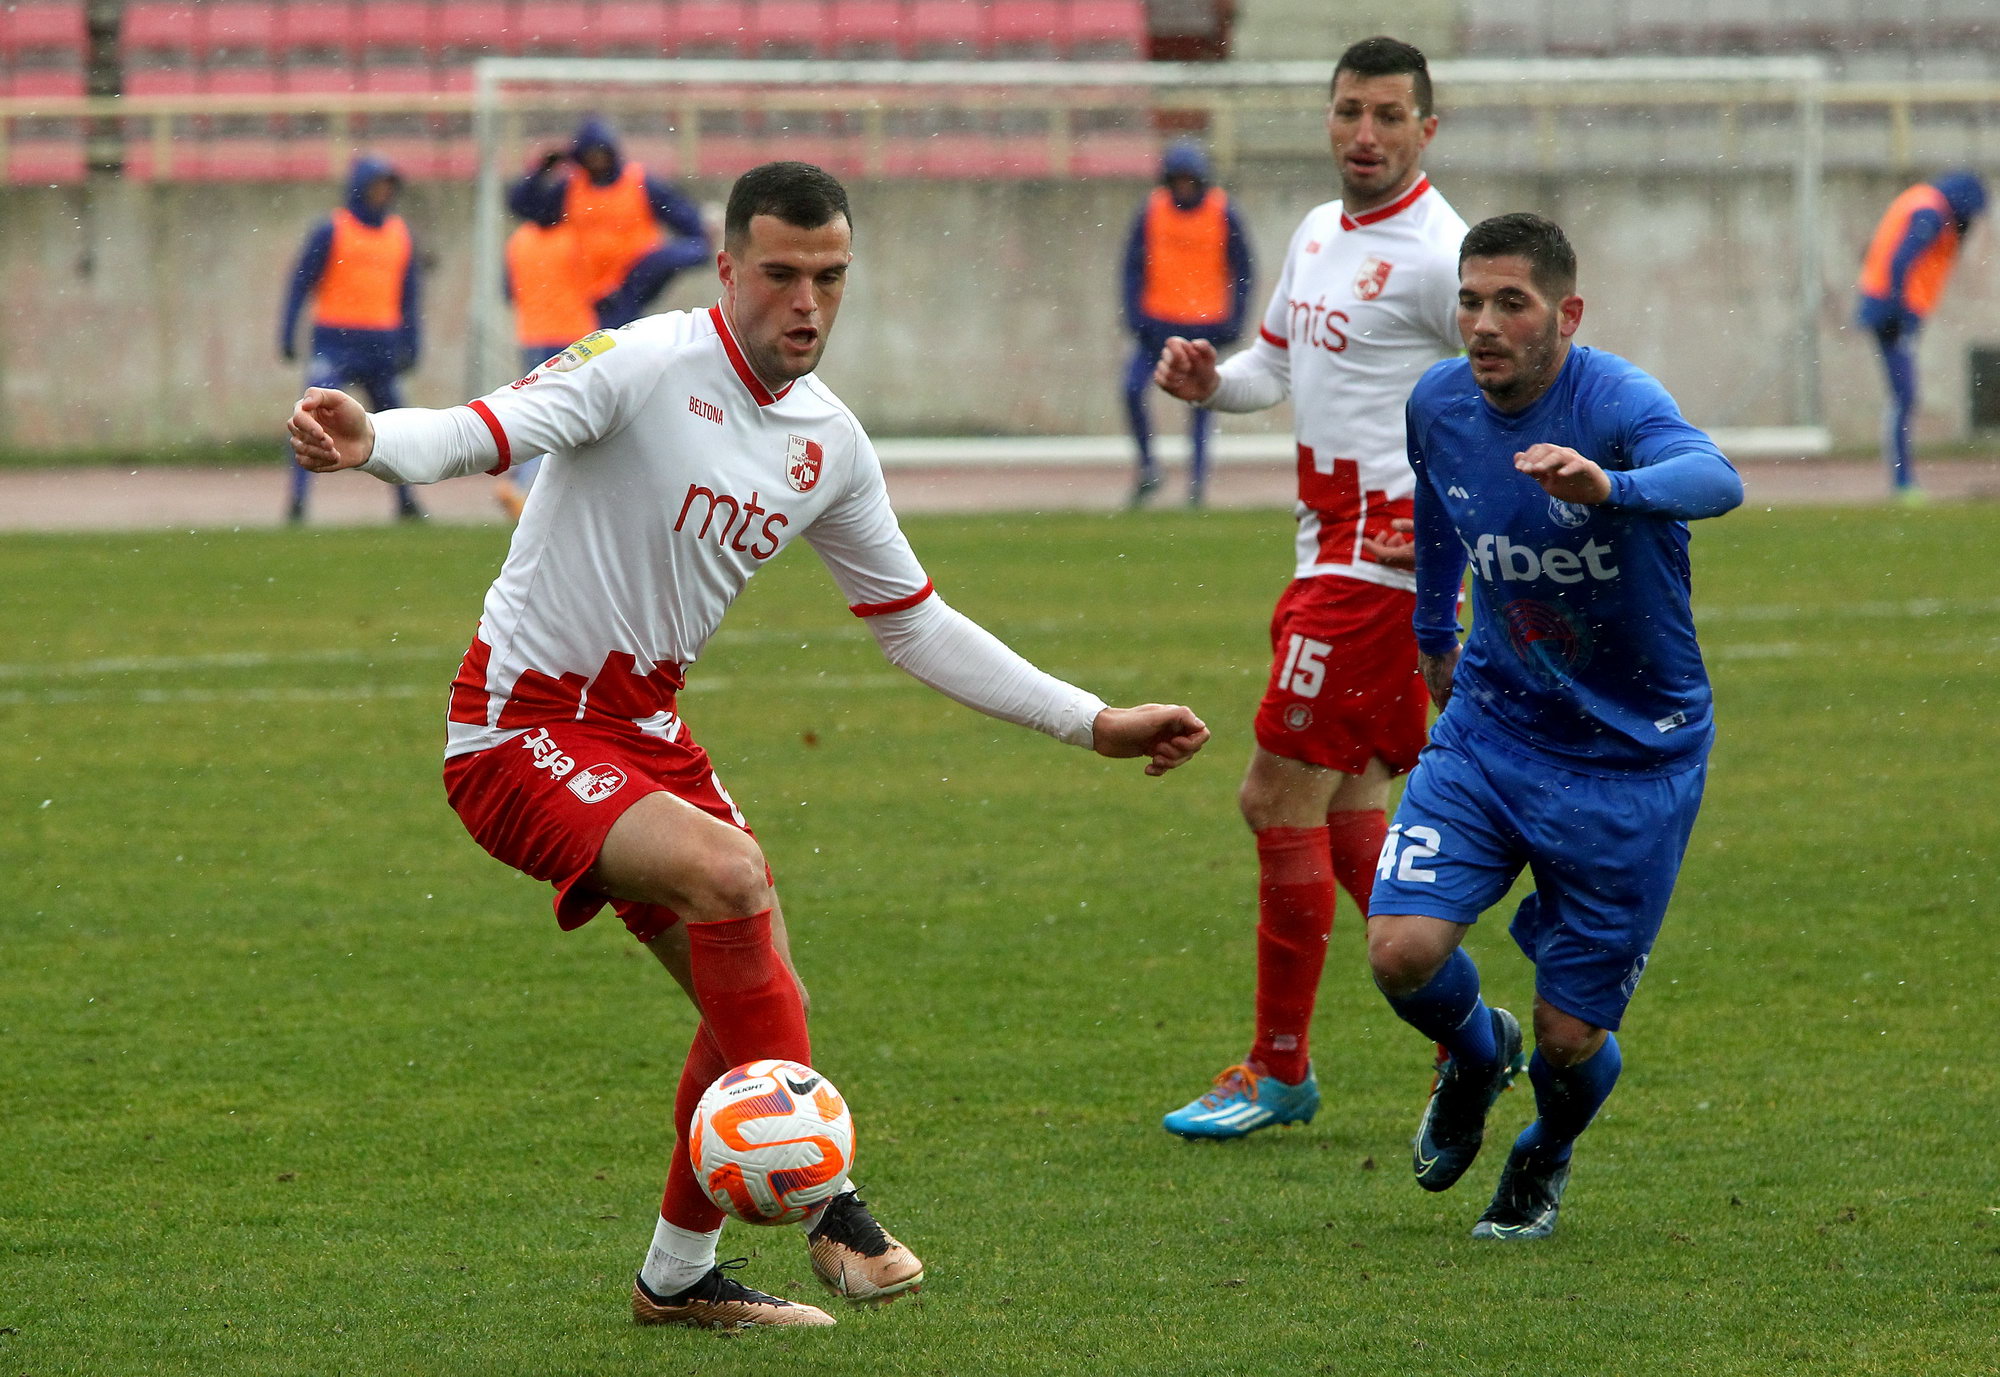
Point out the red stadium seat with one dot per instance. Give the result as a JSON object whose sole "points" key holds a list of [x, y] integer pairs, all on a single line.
{"points": [[788, 29], [713, 28], [47, 26], [556, 28], [631, 28], [158, 33], [868, 29], [947, 29], [1107, 30], [1032, 29]]}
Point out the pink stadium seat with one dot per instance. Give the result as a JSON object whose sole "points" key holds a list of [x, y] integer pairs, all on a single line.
{"points": [[632, 28], [1107, 30], [554, 28], [941, 29], [235, 32], [158, 33], [788, 29], [470, 29], [47, 26], [1038, 29], [867, 29], [397, 31], [316, 32], [713, 28]]}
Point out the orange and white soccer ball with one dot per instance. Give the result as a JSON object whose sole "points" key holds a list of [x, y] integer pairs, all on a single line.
{"points": [[771, 1141]]}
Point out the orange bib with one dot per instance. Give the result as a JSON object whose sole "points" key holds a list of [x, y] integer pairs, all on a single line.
{"points": [[614, 226], [1924, 282], [1187, 259], [551, 307], [362, 286]]}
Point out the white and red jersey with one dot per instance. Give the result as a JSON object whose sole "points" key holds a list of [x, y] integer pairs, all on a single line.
{"points": [[1366, 303], [674, 475]]}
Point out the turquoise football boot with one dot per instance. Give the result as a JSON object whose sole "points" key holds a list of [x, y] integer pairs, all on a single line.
{"points": [[1241, 1102]]}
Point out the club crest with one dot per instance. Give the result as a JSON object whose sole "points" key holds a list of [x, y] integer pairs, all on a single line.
{"points": [[597, 783], [802, 463], [1372, 278]]}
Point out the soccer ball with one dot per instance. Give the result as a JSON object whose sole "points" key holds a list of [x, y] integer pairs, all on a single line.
{"points": [[771, 1141]]}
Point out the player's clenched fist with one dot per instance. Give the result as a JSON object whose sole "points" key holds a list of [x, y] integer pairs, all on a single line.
{"points": [[1187, 369], [1170, 734], [1564, 474], [329, 430]]}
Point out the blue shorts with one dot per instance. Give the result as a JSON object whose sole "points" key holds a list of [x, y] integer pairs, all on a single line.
{"points": [[1604, 853]]}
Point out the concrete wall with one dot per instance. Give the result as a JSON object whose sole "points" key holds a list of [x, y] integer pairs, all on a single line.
{"points": [[141, 316]]}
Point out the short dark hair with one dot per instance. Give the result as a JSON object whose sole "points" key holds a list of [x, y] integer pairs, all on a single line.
{"points": [[797, 193], [1551, 260], [1379, 56]]}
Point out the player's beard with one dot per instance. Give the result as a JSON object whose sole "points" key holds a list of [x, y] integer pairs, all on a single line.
{"points": [[1537, 361]]}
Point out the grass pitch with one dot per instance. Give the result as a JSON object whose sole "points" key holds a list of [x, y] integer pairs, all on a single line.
{"points": [[295, 1080]]}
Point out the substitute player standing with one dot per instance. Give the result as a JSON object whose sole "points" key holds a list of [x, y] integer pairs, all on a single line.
{"points": [[1576, 725], [1364, 306], [686, 451]]}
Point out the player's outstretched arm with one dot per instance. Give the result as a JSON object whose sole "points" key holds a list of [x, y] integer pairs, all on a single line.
{"points": [[330, 430], [1167, 733], [1187, 369]]}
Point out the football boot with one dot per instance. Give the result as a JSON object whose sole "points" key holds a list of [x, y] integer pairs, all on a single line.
{"points": [[856, 1257], [1454, 1122], [1241, 1101], [718, 1301]]}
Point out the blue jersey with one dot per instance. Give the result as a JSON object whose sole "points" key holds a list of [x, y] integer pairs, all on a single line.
{"points": [[1582, 644]]}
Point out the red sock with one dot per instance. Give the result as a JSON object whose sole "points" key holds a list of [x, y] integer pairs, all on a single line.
{"points": [[747, 998], [686, 1205], [1356, 840], [1294, 919]]}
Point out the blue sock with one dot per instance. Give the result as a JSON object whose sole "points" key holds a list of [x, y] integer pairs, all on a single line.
{"points": [[1450, 1011], [1566, 1099]]}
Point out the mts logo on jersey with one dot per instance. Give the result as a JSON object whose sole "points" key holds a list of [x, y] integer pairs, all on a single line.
{"points": [[1312, 323], [803, 459], [1500, 560], [734, 528]]}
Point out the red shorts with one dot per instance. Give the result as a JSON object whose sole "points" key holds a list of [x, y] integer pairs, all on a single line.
{"points": [[544, 802], [1344, 686]]}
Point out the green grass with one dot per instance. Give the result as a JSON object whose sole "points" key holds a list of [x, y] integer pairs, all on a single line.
{"points": [[294, 1079]]}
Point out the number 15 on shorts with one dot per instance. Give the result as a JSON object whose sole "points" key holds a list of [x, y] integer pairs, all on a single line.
{"points": [[1304, 672], [1404, 851]]}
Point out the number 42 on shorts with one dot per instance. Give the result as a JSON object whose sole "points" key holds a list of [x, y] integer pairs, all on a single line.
{"points": [[1403, 851]]}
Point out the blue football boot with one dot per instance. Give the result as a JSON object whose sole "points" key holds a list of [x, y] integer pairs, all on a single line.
{"points": [[1241, 1102], [1454, 1122], [1526, 1203]]}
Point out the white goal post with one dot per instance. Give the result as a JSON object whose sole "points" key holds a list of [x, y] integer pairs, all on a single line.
{"points": [[1540, 117]]}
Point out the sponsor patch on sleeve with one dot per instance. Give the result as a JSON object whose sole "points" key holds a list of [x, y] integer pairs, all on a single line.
{"points": [[582, 352]]}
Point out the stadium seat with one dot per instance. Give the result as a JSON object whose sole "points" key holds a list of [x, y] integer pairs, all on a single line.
{"points": [[788, 29], [157, 33], [631, 28], [1107, 30], [947, 30], [235, 33], [317, 33], [861, 29], [1028, 29], [472, 29], [554, 28], [396, 32], [713, 28]]}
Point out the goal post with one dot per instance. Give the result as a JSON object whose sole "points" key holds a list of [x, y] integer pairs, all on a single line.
{"points": [[1547, 122]]}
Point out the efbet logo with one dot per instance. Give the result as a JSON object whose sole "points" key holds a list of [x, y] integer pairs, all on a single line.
{"points": [[1500, 560]]}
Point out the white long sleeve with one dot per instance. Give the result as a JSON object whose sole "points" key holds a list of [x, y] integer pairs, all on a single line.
{"points": [[965, 662], [1257, 378], [416, 445]]}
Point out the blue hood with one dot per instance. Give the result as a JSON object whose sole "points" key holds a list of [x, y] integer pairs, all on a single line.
{"points": [[369, 169], [597, 133], [1966, 193], [1184, 158]]}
